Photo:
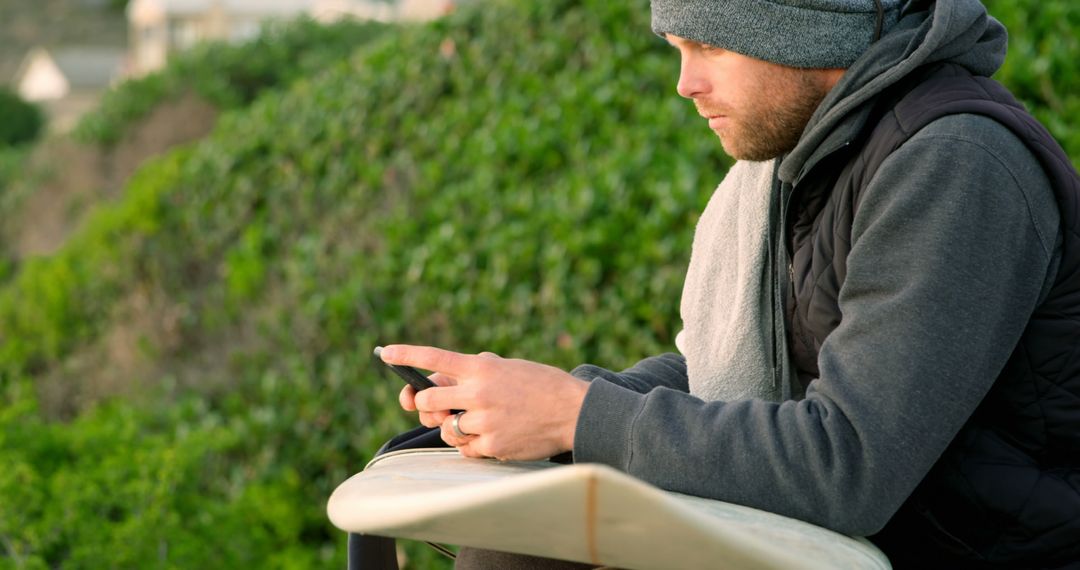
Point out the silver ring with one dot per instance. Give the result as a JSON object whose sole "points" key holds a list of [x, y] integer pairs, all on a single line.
{"points": [[457, 428]]}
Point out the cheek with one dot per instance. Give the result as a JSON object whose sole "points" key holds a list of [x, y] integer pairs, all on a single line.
{"points": [[751, 89]]}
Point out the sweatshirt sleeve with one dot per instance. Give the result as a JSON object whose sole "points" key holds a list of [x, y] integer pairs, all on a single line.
{"points": [[951, 250], [667, 370]]}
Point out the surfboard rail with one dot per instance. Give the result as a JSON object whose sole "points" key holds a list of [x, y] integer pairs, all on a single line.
{"points": [[583, 512]]}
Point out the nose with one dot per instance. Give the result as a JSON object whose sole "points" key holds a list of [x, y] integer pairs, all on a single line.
{"points": [[693, 83]]}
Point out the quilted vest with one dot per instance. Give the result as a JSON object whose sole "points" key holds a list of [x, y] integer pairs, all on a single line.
{"points": [[1007, 490]]}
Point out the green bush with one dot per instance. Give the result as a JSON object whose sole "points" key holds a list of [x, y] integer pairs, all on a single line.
{"points": [[123, 488], [11, 161], [22, 120], [55, 303], [460, 183], [13, 171], [1041, 71], [230, 76]]}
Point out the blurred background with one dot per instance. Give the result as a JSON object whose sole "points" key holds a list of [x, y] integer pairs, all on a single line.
{"points": [[212, 210]]}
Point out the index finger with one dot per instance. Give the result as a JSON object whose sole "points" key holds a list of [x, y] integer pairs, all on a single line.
{"points": [[446, 362]]}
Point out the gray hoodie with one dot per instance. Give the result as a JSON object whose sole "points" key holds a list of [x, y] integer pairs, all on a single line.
{"points": [[954, 243]]}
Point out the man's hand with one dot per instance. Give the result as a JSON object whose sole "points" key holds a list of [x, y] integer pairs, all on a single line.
{"points": [[515, 409]]}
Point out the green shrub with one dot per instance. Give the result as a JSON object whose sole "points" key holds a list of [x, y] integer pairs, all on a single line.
{"points": [[229, 76], [122, 488], [55, 303], [22, 120], [13, 170], [1044, 45], [476, 183], [11, 161]]}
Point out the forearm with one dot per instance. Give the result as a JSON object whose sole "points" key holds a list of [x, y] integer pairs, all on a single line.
{"points": [[667, 370]]}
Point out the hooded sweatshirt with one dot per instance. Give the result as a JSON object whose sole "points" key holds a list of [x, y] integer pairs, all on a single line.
{"points": [[954, 243]]}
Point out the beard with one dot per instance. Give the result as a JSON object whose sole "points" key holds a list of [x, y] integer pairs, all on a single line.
{"points": [[770, 125]]}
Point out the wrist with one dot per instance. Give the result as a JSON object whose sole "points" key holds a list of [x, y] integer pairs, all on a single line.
{"points": [[575, 399]]}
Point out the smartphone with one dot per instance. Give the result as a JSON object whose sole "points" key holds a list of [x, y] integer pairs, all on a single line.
{"points": [[409, 374]]}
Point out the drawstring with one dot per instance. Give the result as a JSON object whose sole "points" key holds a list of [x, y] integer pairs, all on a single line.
{"points": [[880, 19]]}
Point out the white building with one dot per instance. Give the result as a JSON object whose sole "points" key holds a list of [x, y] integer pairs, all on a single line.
{"points": [[160, 28], [390, 11], [69, 81]]}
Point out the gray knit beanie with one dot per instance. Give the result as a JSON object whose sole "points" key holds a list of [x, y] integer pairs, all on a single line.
{"points": [[798, 33]]}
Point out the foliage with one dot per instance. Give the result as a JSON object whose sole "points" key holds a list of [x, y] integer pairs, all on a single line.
{"points": [[1041, 66], [54, 303], [11, 159], [123, 487], [459, 183], [14, 175], [506, 179], [22, 120], [230, 76]]}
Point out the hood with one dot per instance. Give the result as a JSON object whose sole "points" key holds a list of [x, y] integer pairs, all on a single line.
{"points": [[955, 31]]}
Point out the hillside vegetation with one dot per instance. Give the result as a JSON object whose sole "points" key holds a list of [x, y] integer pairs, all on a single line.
{"points": [[185, 382], [230, 76], [45, 191], [479, 182]]}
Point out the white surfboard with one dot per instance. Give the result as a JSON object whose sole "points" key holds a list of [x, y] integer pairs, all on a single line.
{"points": [[584, 512]]}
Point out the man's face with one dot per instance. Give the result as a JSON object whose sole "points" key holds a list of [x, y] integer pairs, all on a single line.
{"points": [[757, 108]]}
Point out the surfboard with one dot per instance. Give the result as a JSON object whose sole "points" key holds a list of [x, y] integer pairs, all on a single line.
{"points": [[583, 512]]}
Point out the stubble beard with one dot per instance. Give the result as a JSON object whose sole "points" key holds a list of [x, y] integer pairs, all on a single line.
{"points": [[772, 125]]}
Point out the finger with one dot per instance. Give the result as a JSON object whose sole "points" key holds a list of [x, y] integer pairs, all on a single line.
{"points": [[447, 434], [444, 398], [447, 362], [442, 379], [469, 450], [433, 419], [406, 398], [489, 355], [450, 436]]}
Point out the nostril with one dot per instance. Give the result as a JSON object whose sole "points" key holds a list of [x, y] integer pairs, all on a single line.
{"points": [[685, 89]]}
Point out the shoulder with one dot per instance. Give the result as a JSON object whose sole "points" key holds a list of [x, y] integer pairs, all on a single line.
{"points": [[964, 171], [982, 138], [980, 155]]}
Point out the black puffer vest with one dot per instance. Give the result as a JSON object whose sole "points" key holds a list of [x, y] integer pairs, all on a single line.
{"points": [[1006, 493]]}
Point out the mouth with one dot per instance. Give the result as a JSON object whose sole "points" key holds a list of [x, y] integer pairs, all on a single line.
{"points": [[716, 121], [713, 113]]}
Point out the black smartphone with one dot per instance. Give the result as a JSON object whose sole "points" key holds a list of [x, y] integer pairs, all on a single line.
{"points": [[409, 374]]}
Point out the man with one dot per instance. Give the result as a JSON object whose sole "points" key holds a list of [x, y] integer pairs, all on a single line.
{"points": [[888, 343]]}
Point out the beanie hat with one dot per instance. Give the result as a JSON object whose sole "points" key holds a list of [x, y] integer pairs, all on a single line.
{"points": [[797, 33]]}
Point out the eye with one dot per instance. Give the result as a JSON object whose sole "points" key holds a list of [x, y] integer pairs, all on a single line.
{"points": [[709, 48]]}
